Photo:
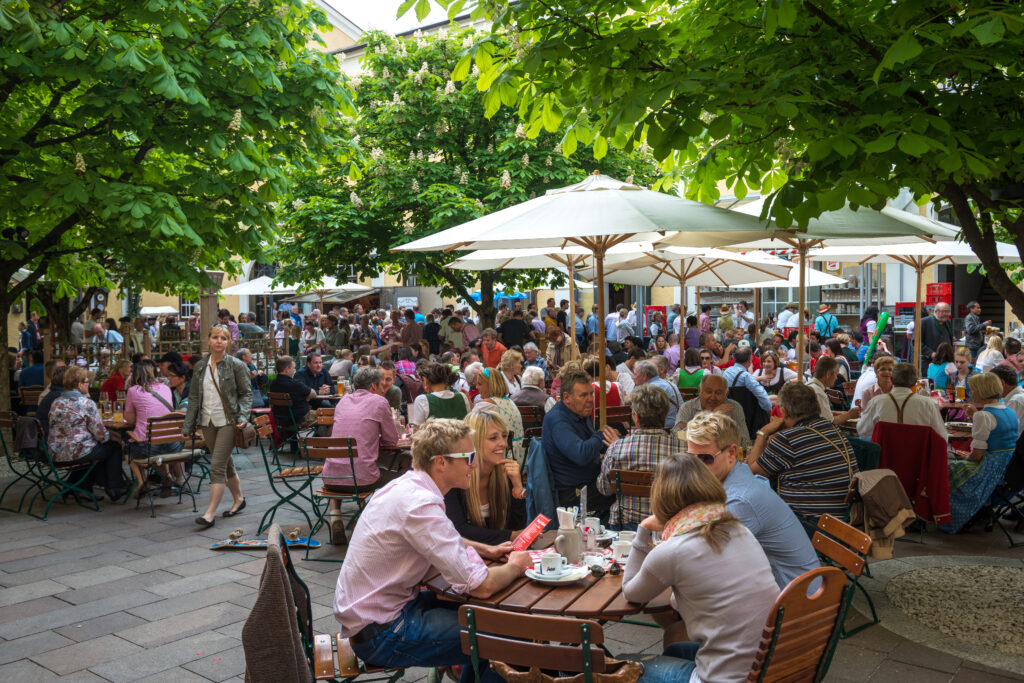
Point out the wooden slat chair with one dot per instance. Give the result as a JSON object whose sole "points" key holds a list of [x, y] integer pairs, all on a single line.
{"points": [[330, 657], [843, 546], [320, 449], [29, 397], [291, 485], [283, 400], [802, 631], [630, 483], [848, 390], [533, 416], [688, 393], [531, 641], [56, 475], [837, 399], [620, 416], [166, 429], [324, 421], [26, 467]]}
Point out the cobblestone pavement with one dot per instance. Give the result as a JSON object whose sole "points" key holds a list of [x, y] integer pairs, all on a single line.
{"points": [[117, 595]]}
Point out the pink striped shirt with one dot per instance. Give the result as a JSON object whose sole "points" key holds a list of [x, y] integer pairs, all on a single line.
{"points": [[401, 539]]}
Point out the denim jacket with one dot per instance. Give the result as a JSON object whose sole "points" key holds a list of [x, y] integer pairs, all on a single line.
{"points": [[233, 380]]}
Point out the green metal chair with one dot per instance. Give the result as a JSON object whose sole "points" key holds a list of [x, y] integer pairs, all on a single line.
{"points": [[27, 469], [290, 489], [530, 641], [167, 429], [281, 400], [319, 449], [840, 545], [58, 475]]}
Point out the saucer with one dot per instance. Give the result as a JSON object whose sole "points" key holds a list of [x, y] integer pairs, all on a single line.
{"points": [[552, 575], [571, 576]]}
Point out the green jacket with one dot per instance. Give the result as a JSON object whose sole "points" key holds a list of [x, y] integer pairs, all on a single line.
{"points": [[233, 380]]}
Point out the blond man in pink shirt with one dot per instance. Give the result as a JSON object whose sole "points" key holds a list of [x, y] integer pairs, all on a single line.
{"points": [[403, 537]]}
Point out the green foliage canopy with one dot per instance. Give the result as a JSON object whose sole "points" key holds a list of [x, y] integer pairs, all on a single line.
{"points": [[816, 102], [432, 156]]}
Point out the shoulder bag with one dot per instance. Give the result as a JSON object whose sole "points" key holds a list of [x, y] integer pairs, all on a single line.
{"points": [[245, 436]]}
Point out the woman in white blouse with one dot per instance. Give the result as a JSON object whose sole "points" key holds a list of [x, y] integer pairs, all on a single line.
{"points": [[992, 355]]}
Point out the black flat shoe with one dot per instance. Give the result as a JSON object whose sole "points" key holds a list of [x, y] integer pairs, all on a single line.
{"points": [[232, 513], [202, 521]]}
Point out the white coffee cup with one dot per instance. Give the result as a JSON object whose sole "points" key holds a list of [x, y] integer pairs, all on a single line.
{"points": [[620, 550], [594, 523], [552, 563], [627, 536]]}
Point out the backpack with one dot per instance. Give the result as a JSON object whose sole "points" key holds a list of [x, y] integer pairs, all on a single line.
{"points": [[411, 388], [755, 415]]}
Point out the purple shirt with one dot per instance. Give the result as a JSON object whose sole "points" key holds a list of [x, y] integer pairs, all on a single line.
{"points": [[144, 406], [365, 417], [672, 356], [402, 537]]}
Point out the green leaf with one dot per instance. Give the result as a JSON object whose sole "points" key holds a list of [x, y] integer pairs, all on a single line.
{"points": [[914, 145], [880, 145], [569, 143], [786, 109], [600, 147], [989, 32], [844, 145], [551, 116], [422, 9], [461, 69], [904, 49]]}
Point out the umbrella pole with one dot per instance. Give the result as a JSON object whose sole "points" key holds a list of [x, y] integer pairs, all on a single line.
{"points": [[682, 303], [570, 321], [757, 318], [800, 340], [696, 302], [602, 341], [919, 266]]}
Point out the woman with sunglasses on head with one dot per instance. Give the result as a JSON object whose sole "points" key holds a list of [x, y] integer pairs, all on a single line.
{"points": [[492, 509], [220, 401], [701, 548]]}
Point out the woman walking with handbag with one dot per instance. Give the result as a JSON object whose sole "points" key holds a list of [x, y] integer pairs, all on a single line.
{"points": [[219, 402]]}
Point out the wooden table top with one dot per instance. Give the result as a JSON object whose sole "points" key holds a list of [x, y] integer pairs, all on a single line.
{"points": [[110, 424], [591, 598]]}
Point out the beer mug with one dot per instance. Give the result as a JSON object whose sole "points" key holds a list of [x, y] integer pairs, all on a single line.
{"points": [[961, 392]]}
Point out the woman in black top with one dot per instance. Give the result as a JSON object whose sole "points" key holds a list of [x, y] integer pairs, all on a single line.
{"points": [[493, 509]]}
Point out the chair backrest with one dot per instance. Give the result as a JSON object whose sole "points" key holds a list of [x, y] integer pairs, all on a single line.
{"points": [[497, 635], [165, 429], [330, 447], [801, 629], [848, 388], [617, 415], [8, 423], [632, 482], [836, 397], [280, 399], [325, 416], [842, 544], [688, 393], [532, 416], [30, 395]]}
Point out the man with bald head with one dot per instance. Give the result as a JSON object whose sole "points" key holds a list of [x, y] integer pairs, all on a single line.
{"points": [[712, 396], [935, 330]]}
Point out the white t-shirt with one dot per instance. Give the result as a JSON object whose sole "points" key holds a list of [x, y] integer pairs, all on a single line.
{"points": [[213, 407]]}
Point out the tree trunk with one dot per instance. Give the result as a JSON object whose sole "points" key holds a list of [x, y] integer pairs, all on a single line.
{"points": [[983, 243], [486, 306]]}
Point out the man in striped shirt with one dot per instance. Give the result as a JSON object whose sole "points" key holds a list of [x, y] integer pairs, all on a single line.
{"points": [[811, 459]]}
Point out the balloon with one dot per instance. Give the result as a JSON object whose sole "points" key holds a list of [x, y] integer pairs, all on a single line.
{"points": [[883, 320]]}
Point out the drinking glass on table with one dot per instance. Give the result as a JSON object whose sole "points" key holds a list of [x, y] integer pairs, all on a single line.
{"points": [[961, 393], [341, 387], [118, 411], [105, 409]]}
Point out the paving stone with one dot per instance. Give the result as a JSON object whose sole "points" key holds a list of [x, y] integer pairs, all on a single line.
{"points": [[86, 654], [891, 671], [919, 655], [173, 675], [30, 591], [184, 625], [216, 560], [106, 590], [147, 662], [25, 671], [20, 648], [25, 552], [60, 567], [100, 626], [187, 603], [82, 677], [167, 559], [235, 630], [965, 675], [75, 614], [95, 576], [29, 608], [220, 667], [853, 659], [196, 583]]}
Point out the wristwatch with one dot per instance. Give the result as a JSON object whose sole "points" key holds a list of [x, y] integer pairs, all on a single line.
{"points": [[760, 433]]}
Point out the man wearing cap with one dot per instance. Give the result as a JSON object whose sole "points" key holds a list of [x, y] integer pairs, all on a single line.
{"points": [[788, 317], [825, 324]]}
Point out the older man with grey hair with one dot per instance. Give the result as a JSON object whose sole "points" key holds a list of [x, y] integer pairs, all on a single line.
{"points": [[642, 449], [712, 397], [647, 372], [532, 392], [533, 359], [364, 416]]}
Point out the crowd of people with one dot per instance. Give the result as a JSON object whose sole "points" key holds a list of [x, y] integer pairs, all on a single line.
{"points": [[715, 411]]}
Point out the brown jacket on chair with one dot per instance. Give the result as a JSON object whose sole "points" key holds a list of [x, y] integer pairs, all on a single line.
{"points": [[881, 508], [270, 637]]}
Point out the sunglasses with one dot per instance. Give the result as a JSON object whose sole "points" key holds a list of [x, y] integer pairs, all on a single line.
{"points": [[706, 458], [470, 457]]}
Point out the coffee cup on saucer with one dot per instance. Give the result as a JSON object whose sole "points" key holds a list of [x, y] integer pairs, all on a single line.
{"points": [[627, 536], [553, 564], [620, 550]]}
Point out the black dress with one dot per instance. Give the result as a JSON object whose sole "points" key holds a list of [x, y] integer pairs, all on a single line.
{"points": [[455, 508]]}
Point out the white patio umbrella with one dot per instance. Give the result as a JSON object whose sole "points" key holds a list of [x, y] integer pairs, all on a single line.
{"points": [[597, 213], [158, 310], [918, 255], [261, 286], [846, 227]]}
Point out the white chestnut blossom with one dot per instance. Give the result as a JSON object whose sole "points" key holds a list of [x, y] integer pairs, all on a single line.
{"points": [[354, 198], [376, 153], [463, 178], [415, 187], [467, 41], [449, 88], [629, 180], [79, 163], [424, 68], [521, 131], [385, 73], [547, 161], [526, 160], [506, 179], [558, 148], [236, 121]]}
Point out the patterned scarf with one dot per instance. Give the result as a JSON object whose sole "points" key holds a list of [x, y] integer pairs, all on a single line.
{"points": [[692, 517]]}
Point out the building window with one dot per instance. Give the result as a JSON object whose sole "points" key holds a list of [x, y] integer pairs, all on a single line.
{"points": [[408, 280], [187, 308]]}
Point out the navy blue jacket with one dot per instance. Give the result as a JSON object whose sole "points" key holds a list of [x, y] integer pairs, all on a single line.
{"points": [[572, 446]]}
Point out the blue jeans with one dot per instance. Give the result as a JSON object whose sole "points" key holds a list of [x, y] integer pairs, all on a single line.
{"points": [[426, 633], [675, 665]]}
